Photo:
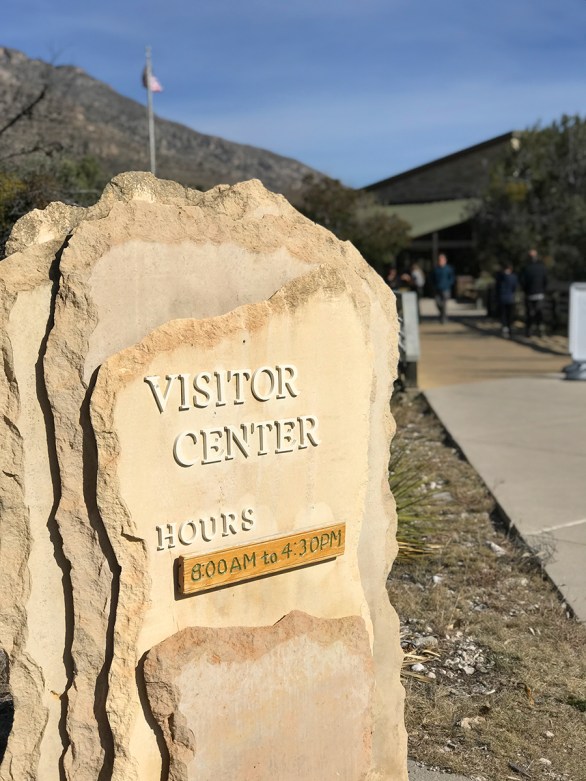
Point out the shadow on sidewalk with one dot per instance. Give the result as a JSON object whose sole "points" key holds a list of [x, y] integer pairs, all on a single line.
{"points": [[553, 344]]}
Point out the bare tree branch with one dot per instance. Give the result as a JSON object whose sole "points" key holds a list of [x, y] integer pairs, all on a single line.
{"points": [[26, 111], [48, 149]]}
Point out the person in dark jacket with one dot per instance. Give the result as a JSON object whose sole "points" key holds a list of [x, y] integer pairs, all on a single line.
{"points": [[506, 287], [534, 285], [443, 279]]}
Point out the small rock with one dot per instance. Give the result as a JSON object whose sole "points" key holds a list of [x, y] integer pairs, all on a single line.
{"points": [[425, 641], [431, 675], [469, 670], [496, 549], [544, 761], [549, 734], [418, 668], [470, 722], [519, 769], [437, 579]]}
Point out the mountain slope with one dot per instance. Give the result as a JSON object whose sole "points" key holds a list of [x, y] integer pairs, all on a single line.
{"points": [[43, 108]]}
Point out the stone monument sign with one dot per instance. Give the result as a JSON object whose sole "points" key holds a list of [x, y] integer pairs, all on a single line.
{"points": [[196, 525]]}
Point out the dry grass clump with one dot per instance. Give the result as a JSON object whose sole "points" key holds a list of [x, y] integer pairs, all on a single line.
{"points": [[497, 684]]}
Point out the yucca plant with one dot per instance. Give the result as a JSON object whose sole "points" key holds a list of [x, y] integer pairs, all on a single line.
{"points": [[414, 500]]}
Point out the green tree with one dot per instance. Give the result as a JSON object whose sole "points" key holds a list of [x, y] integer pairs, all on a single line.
{"points": [[355, 216], [11, 190], [39, 181], [537, 197]]}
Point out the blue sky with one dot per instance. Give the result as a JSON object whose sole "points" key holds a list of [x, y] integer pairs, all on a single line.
{"points": [[359, 89]]}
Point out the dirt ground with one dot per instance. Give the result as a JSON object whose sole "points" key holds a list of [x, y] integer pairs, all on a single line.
{"points": [[495, 671]]}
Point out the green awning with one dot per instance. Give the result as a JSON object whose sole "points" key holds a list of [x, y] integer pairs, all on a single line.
{"points": [[427, 218]]}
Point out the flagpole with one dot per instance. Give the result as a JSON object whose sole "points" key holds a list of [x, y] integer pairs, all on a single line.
{"points": [[151, 117]]}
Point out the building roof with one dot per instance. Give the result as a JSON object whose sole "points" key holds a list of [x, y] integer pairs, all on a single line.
{"points": [[463, 174]]}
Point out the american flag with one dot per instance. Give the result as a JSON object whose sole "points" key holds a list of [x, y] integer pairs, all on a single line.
{"points": [[153, 83]]}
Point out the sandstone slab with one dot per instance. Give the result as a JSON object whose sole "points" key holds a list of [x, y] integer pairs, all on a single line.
{"points": [[290, 701], [114, 286], [327, 321], [237, 463]]}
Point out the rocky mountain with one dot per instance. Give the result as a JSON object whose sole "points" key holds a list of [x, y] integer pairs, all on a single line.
{"points": [[46, 108]]}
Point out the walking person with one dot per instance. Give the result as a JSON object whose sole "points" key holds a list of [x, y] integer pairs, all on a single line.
{"points": [[534, 285], [506, 287], [443, 279]]}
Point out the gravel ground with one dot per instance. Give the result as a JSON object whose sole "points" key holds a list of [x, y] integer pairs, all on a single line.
{"points": [[495, 666]]}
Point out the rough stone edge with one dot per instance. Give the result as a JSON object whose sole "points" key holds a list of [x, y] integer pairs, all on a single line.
{"points": [[20, 273], [57, 219], [390, 736], [193, 642]]}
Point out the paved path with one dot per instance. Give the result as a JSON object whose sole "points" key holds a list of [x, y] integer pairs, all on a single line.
{"points": [[455, 353], [526, 437], [523, 428]]}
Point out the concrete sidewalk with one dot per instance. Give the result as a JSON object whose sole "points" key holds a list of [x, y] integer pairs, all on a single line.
{"points": [[452, 354], [523, 428], [526, 438]]}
